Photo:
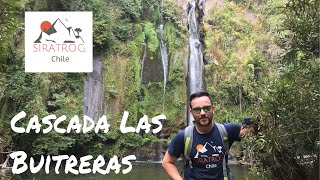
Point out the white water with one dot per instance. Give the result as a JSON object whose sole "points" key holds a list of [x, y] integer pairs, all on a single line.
{"points": [[196, 66], [164, 56], [93, 98]]}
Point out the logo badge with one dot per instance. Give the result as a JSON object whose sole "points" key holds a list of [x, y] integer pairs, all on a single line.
{"points": [[58, 42]]}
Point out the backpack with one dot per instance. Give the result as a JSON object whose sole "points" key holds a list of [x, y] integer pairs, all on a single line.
{"points": [[188, 139]]}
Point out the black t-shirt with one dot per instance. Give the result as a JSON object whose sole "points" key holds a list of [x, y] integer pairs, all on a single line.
{"points": [[207, 152]]}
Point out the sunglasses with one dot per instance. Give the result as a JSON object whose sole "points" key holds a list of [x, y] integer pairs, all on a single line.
{"points": [[197, 110]]}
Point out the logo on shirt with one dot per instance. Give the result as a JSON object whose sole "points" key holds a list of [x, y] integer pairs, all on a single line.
{"points": [[208, 154]]}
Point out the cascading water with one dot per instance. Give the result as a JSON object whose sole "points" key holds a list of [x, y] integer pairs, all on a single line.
{"points": [[195, 80], [93, 98], [145, 53], [164, 55]]}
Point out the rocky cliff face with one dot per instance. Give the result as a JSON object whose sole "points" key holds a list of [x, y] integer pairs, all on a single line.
{"points": [[154, 151], [93, 99]]}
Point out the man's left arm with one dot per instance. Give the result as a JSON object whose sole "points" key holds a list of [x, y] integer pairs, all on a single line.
{"points": [[237, 131], [233, 130]]}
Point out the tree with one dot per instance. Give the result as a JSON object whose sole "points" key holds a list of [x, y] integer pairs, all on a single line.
{"points": [[289, 145]]}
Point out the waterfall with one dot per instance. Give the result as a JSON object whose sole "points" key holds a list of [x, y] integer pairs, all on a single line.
{"points": [[195, 79], [164, 55], [164, 60], [145, 53], [93, 98]]}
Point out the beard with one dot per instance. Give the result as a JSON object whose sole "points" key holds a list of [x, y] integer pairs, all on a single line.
{"points": [[204, 121]]}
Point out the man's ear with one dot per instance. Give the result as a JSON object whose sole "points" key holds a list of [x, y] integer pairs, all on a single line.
{"points": [[190, 110], [213, 108]]}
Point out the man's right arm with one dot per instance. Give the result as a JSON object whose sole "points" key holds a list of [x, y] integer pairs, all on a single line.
{"points": [[168, 165]]}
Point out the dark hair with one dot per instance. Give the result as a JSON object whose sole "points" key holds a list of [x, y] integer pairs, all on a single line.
{"points": [[200, 94]]}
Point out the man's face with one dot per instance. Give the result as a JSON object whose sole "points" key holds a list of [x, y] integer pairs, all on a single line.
{"points": [[202, 110]]}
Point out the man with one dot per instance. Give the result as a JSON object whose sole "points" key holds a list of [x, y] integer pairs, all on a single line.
{"points": [[207, 148]]}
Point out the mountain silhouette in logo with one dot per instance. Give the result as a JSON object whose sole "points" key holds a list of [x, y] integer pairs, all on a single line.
{"points": [[58, 32], [203, 151]]}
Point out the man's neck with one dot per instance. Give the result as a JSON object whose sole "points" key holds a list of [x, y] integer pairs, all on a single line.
{"points": [[204, 129]]}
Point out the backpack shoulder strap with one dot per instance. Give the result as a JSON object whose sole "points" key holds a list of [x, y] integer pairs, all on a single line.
{"points": [[188, 139], [224, 137]]}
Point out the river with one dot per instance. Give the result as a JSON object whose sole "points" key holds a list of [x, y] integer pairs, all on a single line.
{"points": [[140, 171]]}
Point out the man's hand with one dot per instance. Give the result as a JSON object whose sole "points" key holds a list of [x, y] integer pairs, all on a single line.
{"points": [[248, 127]]}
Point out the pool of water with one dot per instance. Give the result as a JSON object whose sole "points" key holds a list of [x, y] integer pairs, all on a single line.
{"points": [[140, 171]]}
